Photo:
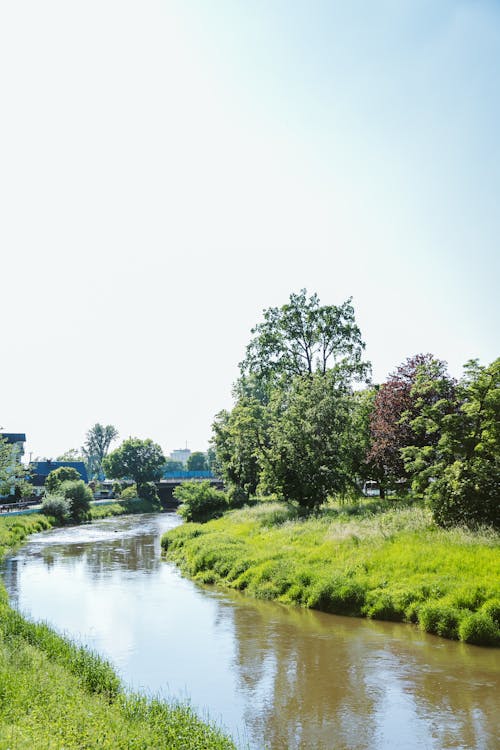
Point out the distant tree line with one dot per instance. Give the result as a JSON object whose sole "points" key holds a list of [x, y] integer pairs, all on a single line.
{"points": [[306, 423]]}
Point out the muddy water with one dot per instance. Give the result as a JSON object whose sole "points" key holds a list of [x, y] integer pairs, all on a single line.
{"points": [[274, 677]]}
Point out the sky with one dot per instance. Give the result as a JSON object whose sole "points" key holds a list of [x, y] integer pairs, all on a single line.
{"points": [[169, 169]]}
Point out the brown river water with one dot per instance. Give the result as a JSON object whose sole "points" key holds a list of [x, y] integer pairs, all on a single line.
{"points": [[272, 676]]}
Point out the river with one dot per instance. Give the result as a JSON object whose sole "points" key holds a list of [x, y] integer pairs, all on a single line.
{"points": [[272, 676]]}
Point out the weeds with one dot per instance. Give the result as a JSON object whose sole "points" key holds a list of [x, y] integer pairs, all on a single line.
{"points": [[383, 562]]}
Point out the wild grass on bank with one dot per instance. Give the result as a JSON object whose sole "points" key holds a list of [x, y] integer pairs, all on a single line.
{"points": [[388, 563], [55, 694]]}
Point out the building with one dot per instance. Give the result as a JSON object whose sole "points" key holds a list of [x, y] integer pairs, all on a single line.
{"points": [[182, 455], [40, 470]]}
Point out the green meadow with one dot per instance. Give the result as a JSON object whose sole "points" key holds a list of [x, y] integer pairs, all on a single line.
{"points": [[380, 560], [56, 695]]}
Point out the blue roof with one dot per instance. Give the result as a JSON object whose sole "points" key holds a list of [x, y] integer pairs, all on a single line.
{"points": [[43, 468], [13, 437]]}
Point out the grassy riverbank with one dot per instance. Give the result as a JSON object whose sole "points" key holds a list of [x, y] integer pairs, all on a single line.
{"points": [[375, 560], [55, 694]]}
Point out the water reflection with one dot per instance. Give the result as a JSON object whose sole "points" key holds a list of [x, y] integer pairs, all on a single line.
{"points": [[278, 677]]}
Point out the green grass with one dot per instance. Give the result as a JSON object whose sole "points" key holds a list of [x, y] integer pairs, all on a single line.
{"points": [[56, 695], [376, 560]]}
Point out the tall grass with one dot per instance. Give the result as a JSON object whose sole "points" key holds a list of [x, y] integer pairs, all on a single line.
{"points": [[55, 694], [383, 562]]}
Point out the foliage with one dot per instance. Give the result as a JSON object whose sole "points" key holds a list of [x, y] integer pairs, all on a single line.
{"points": [[58, 476], [309, 453], [56, 506], [72, 455], [96, 447], [303, 337], [12, 471], [147, 491], [457, 463], [239, 437], [78, 497], [200, 501], [197, 461], [140, 460], [129, 493], [397, 405], [172, 465], [385, 562]]}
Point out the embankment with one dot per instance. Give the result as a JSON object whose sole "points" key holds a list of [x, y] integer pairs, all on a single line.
{"points": [[55, 694], [381, 562]]}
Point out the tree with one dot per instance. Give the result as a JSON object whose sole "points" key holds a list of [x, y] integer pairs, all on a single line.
{"points": [[197, 462], [309, 455], [78, 497], [301, 338], [171, 465], [239, 437], [459, 473], [72, 455], [96, 447], [140, 460], [12, 471], [60, 475], [394, 410]]}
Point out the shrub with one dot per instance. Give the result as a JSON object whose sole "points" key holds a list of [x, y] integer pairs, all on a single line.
{"points": [[492, 609], [129, 493], [200, 501], [60, 475], [79, 497], [56, 506], [479, 628]]}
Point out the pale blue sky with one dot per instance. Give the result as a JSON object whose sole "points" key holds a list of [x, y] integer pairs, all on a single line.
{"points": [[169, 169]]}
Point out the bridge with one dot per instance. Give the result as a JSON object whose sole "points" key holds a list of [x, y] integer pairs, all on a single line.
{"points": [[173, 479]]}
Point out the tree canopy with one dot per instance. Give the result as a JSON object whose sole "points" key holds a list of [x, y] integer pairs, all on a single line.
{"points": [[140, 460], [303, 337]]}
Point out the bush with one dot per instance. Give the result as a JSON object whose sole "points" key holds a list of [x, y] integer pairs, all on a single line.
{"points": [[492, 609], [56, 506], [478, 628], [60, 475], [466, 496], [79, 497], [200, 501], [129, 493]]}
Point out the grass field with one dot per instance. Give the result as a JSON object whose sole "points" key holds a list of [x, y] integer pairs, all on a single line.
{"points": [[55, 695], [376, 560]]}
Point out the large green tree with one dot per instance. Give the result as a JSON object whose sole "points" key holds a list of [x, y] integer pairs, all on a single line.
{"points": [[304, 337], [310, 455], [140, 460]]}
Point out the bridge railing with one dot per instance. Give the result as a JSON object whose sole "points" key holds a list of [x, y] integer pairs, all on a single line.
{"points": [[188, 475]]}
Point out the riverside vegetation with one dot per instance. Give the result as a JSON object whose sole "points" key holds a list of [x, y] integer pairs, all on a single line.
{"points": [[300, 431], [55, 694], [380, 559]]}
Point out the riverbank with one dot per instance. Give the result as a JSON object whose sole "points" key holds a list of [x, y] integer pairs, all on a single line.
{"points": [[55, 694], [387, 563]]}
